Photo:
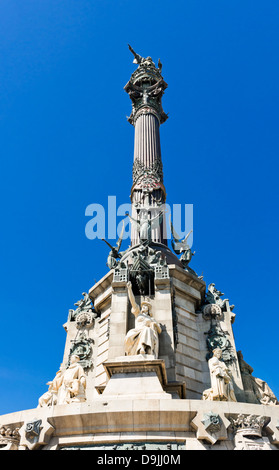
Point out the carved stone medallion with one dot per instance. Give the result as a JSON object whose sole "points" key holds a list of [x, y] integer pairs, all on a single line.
{"points": [[211, 310], [82, 347], [84, 320]]}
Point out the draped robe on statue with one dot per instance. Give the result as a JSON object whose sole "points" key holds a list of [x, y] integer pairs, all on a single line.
{"points": [[220, 381], [144, 336], [73, 374]]}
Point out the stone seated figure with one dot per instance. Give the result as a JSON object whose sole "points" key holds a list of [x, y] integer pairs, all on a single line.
{"points": [[256, 390], [67, 387], [144, 338]]}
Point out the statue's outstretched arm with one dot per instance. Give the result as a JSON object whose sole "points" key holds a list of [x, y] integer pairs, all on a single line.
{"points": [[135, 307], [137, 58]]}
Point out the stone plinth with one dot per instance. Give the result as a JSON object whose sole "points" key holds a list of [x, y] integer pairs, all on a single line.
{"points": [[137, 377]]}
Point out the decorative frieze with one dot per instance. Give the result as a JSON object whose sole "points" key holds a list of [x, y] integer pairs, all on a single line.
{"points": [[166, 446], [147, 178]]}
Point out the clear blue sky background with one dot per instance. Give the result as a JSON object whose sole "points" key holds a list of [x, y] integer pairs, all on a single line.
{"points": [[65, 143]]}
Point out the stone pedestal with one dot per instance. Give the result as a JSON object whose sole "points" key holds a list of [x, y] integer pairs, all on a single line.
{"points": [[136, 377]]}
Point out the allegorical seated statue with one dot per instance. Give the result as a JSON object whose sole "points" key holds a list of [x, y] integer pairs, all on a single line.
{"points": [[49, 398], [221, 382], [67, 387], [144, 338], [254, 386]]}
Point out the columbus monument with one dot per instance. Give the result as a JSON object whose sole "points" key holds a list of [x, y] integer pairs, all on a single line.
{"points": [[150, 361]]}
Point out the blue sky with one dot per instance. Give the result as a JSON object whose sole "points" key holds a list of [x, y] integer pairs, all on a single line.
{"points": [[66, 143]]}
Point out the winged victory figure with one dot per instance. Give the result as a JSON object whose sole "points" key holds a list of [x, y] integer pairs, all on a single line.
{"points": [[181, 246], [114, 254]]}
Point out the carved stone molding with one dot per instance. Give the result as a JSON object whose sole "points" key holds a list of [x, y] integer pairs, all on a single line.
{"points": [[167, 446], [141, 364]]}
